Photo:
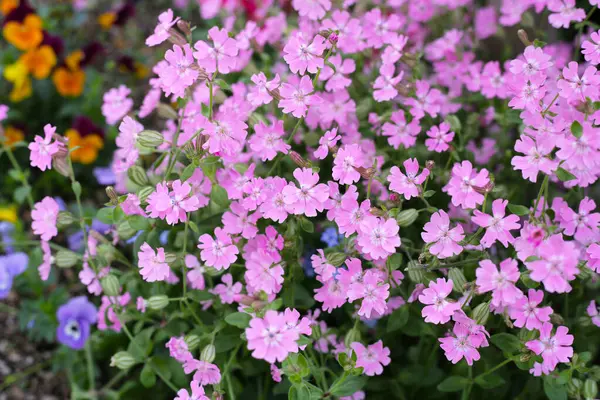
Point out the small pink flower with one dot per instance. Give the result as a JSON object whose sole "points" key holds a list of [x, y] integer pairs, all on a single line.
{"points": [[385, 84], [594, 313], [438, 310], [42, 149], [399, 132], [195, 275], [206, 373], [221, 57], [338, 79], [379, 237], [197, 393], [268, 140], [128, 133], [131, 205], [178, 349], [461, 344], [536, 157], [498, 226], [439, 138], [332, 294], [564, 13], [261, 93], [140, 304], [239, 221], [372, 358], [220, 252], [445, 240], [526, 313], [312, 9], [573, 87], [269, 339], [327, 142], [464, 185], [177, 73], [486, 22], [275, 373], [227, 290], [172, 205], [264, 272], [296, 99], [152, 264], [226, 135], [347, 160], [323, 269], [553, 348], [302, 56], [373, 292], [406, 185], [593, 253], [307, 198], [591, 48], [583, 225], [161, 31], [116, 104], [47, 260], [534, 62], [501, 282], [88, 277], [107, 314], [557, 264], [44, 216]]}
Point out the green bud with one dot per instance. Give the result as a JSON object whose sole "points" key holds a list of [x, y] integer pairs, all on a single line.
{"points": [[106, 251], [415, 272], [150, 139], [316, 331], [125, 230], [110, 285], [144, 192], [166, 111], [574, 387], [122, 360], [65, 258], [590, 389], [170, 258], [192, 341], [481, 313], [158, 302], [407, 217], [352, 336], [65, 219], [458, 279], [557, 319], [336, 259], [208, 353], [137, 175]]}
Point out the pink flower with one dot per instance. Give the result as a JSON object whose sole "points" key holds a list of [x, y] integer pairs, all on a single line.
{"points": [[116, 104], [268, 140], [275, 373], [572, 87], [302, 56], [307, 198], [153, 266], [128, 133], [239, 221], [557, 264], [219, 252], [427, 100], [526, 313], [347, 160], [206, 373], [332, 294], [44, 216], [394, 49], [172, 205], [47, 260], [42, 149], [465, 184], [439, 138], [264, 272], [379, 237], [535, 62], [227, 290], [553, 348], [107, 313], [88, 277], [564, 13], [591, 48], [372, 358], [593, 253], [140, 304], [461, 344], [373, 292], [131, 205], [177, 73], [501, 282], [385, 84], [226, 135], [270, 339], [593, 311], [312, 9], [536, 158], [528, 93], [486, 22], [583, 224], [161, 31], [445, 240], [197, 393], [195, 275], [492, 81], [338, 79], [322, 267], [406, 185], [498, 226], [438, 310], [326, 142], [296, 99], [178, 349], [219, 58], [261, 93], [399, 132]]}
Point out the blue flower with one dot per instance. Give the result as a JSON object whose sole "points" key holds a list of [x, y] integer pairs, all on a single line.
{"points": [[10, 266], [74, 321], [331, 236]]}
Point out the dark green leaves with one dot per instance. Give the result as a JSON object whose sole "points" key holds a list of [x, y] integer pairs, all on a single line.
{"points": [[518, 210], [453, 384], [576, 129], [506, 342], [564, 175], [398, 319], [347, 386], [241, 320], [489, 381]]}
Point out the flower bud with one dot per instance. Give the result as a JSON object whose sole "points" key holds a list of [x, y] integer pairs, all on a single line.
{"points": [[170, 258], [274, 94], [525, 357], [176, 38], [65, 258], [144, 192], [325, 33], [481, 313], [429, 164], [458, 278], [352, 336], [65, 219], [112, 195], [557, 319], [415, 272], [299, 160], [208, 353], [574, 387], [333, 38], [149, 138], [366, 173], [166, 111], [336, 259], [110, 285], [522, 34], [61, 165], [590, 389], [407, 217], [184, 26], [137, 175], [394, 198], [122, 360], [158, 302], [378, 212], [192, 341]]}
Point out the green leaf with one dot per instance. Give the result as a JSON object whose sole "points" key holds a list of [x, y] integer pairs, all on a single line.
{"points": [[199, 295], [576, 129], [105, 215], [553, 390], [241, 320], [194, 227], [489, 381], [187, 172], [138, 222], [517, 209], [394, 261], [21, 194], [564, 175], [219, 196], [506, 342], [306, 225], [141, 345], [539, 43], [347, 387], [398, 319], [453, 384], [429, 193], [148, 376], [76, 186]]}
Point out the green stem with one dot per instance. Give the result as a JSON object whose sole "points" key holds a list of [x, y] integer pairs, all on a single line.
{"points": [[539, 196], [486, 373], [113, 381], [17, 167], [89, 359], [210, 100], [467, 390], [185, 236], [16, 377]]}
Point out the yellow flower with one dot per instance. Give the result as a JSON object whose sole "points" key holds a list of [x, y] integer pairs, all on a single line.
{"points": [[7, 6], [68, 82], [12, 135], [18, 74], [107, 20], [24, 35], [39, 61], [88, 146], [9, 214], [74, 59]]}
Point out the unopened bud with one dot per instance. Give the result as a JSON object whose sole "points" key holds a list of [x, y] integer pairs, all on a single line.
{"points": [[525, 357], [61, 165], [458, 279], [166, 111], [429, 164], [325, 33], [481, 313], [122, 360], [149, 138], [336, 259], [110, 285], [557, 319], [137, 175], [158, 302], [415, 272], [407, 217], [192, 341], [333, 38], [65, 219], [299, 160], [274, 94], [378, 212], [112, 195], [394, 198], [170, 258], [184, 26], [65, 258], [144, 192], [176, 38], [366, 173], [590, 389], [208, 353], [522, 34]]}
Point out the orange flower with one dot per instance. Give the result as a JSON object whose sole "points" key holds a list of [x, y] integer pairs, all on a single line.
{"points": [[7, 6], [68, 82], [24, 35], [74, 59], [89, 146], [39, 61], [107, 20], [12, 135]]}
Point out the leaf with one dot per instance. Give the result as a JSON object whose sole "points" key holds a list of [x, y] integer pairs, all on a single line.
{"points": [[21, 194], [141, 345], [188, 172], [576, 129], [307, 225], [199, 295], [219, 196], [194, 227], [241, 320], [429, 193], [564, 175], [518, 209], [76, 186], [489, 381], [148, 376], [553, 390], [538, 43], [347, 387], [398, 319], [105, 215], [506, 342], [394, 261], [453, 384], [138, 222]]}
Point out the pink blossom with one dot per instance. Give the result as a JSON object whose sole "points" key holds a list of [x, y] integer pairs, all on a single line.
{"points": [[44, 216], [465, 183], [195, 275], [438, 309], [302, 56], [161, 31], [373, 292], [350, 37], [264, 272], [274, 206], [128, 133], [178, 349], [593, 253], [206, 373], [573, 87], [338, 79], [372, 358], [47, 260], [492, 81], [324, 270], [42, 149], [307, 198], [564, 13], [439, 138], [140, 304], [269, 339], [379, 237], [534, 62], [296, 98], [399, 132], [486, 22], [394, 49], [107, 314], [261, 93], [557, 264], [445, 240], [594, 313], [116, 104], [172, 205], [527, 93], [177, 73], [275, 373], [267, 141], [239, 221], [226, 135], [347, 160], [536, 158], [332, 294], [327, 142], [500, 281], [131, 205], [406, 185], [352, 214], [461, 344], [385, 84], [197, 393], [526, 313], [312, 9], [591, 48], [220, 252], [221, 57], [227, 290], [426, 101], [498, 226], [553, 348], [153, 266], [583, 225]]}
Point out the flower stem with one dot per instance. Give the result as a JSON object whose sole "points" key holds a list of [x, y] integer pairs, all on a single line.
{"points": [[89, 358], [17, 167]]}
